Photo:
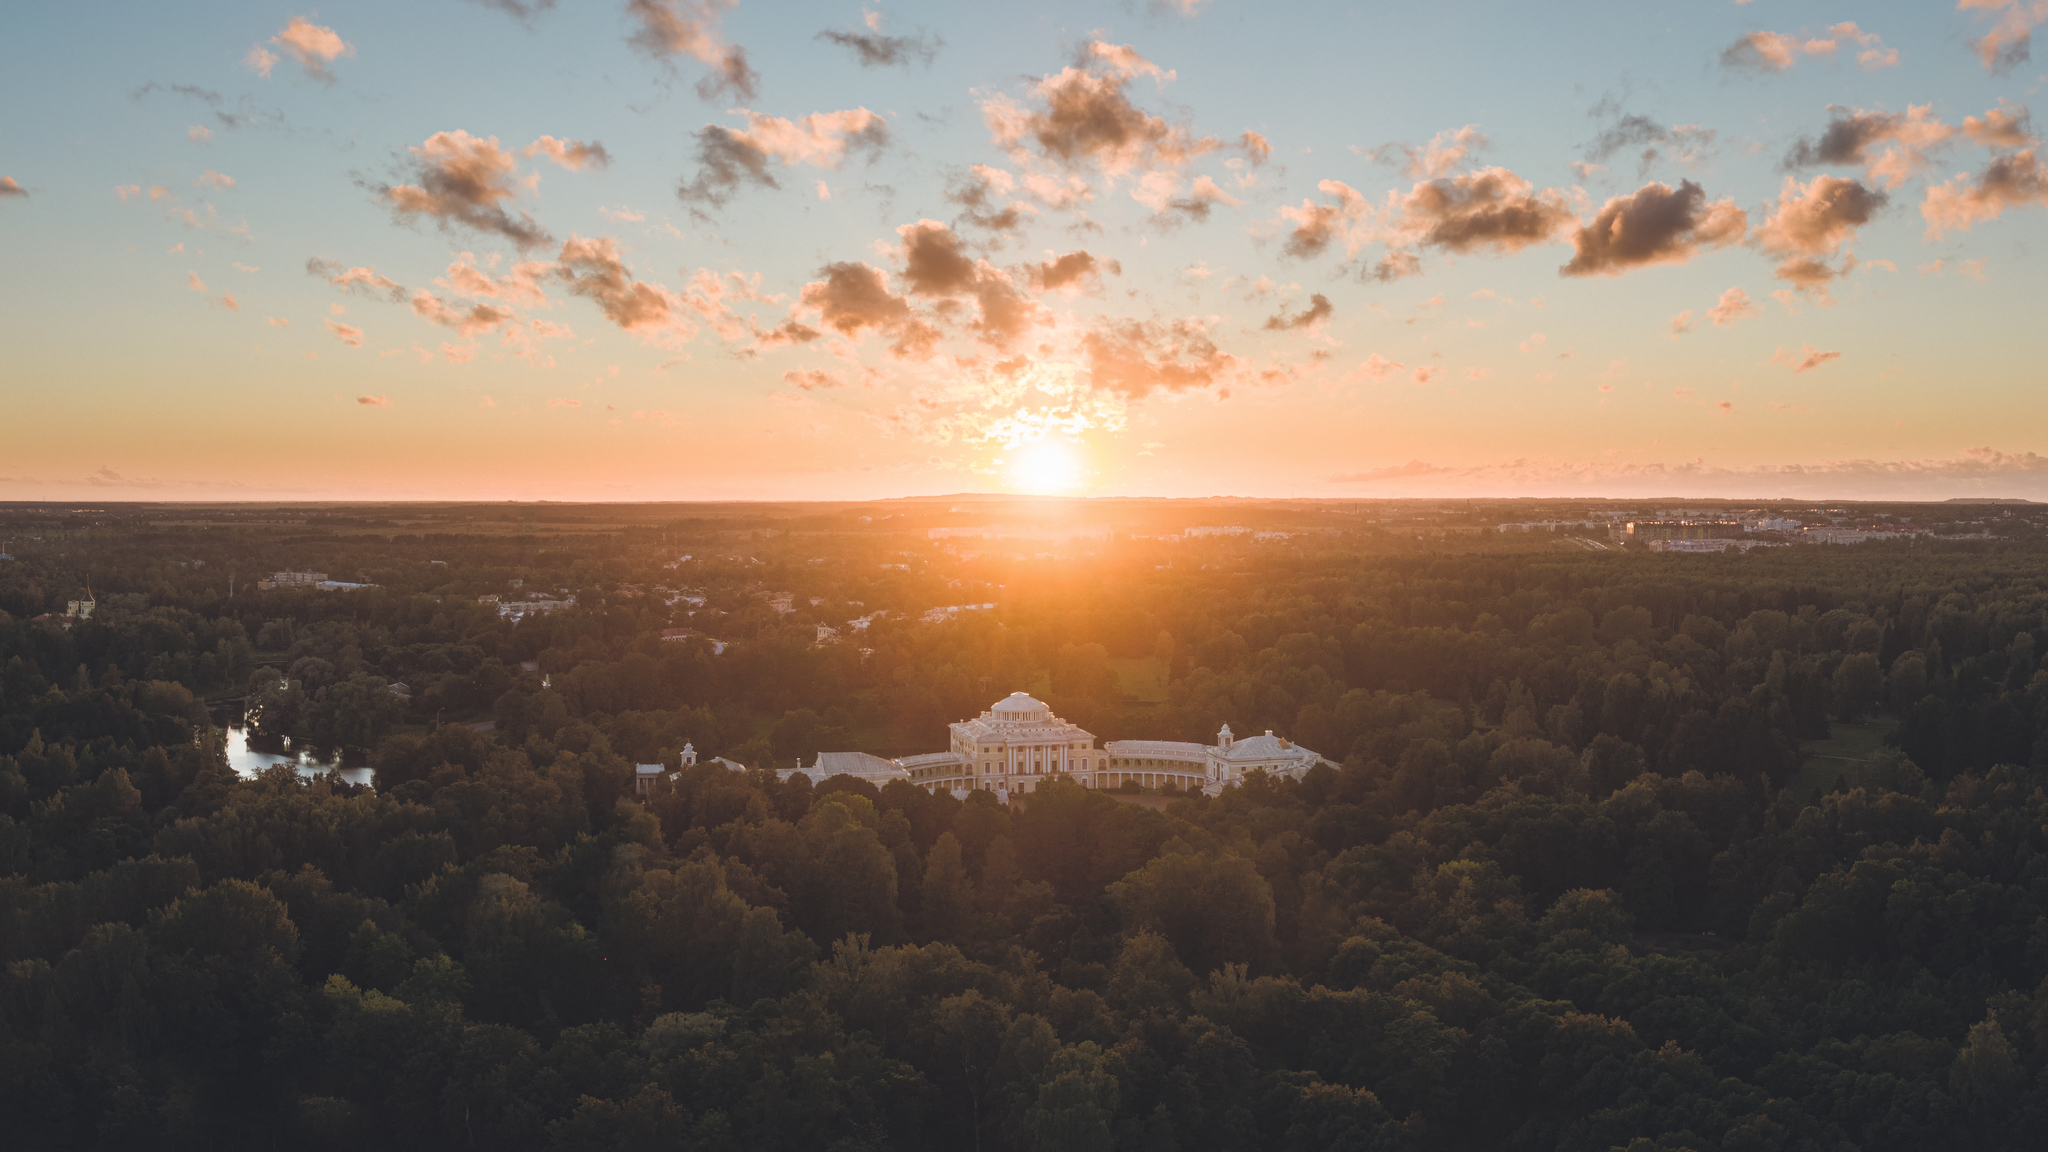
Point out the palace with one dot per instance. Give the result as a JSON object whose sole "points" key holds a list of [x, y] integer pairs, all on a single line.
{"points": [[1019, 744]]}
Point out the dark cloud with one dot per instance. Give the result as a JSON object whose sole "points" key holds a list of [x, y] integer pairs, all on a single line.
{"points": [[1255, 148], [523, 11], [878, 51], [1491, 210], [854, 299], [361, 281], [1628, 132], [1656, 224], [245, 115], [671, 28], [1134, 358], [936, 264], [811, 379], [1318, 310], [463, 179], [726, 161], [1316, 226], [1076, 270]]}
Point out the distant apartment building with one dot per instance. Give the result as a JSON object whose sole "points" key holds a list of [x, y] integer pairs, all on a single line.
{"points": [[1655, 531], [292, 580]]}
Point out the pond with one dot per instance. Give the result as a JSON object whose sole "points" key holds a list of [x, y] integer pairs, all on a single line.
{"points": [[249, 754]]}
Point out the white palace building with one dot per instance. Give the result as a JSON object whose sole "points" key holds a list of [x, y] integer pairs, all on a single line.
{"points": [[1019, 743]]}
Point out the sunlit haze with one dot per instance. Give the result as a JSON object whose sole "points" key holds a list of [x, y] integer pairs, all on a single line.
{"points": [[722, 249]]}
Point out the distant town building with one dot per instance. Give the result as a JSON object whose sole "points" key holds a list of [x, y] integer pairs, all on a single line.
{"points": [[645, 776], [1654, 530], [875, 770], [677, 633]]}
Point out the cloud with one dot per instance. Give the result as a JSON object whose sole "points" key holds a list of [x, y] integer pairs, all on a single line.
{"points": [[453, 353], [854, 299], [1134, 358], [1410, 470], [523, 11], [565, 403], [1072, 273], [1085, 117], [212, 179], [9, 189], [1444, 152], [977, 193], [1159, 191], [467, 323], [1536, 340], [1812, 223], [1655, 224], [1318, 311], [313, 46], [2010, 41], [1804, 360], [2006, 126], [1317, 226], [671, 28], [1775, 52], [521, 285], [1681, 323], [595, 271], [348, 334], [811, 379], [362, 281], [374, 401], [2011, 181], [936, 265], [1489, 211], [729, 158], [574, 155], [1255, 148], [277, 322], [1852, 133], [463, 179], [875, 50], [1734, 305], [1689, 144]]}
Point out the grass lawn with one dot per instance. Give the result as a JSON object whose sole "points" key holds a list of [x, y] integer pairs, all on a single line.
{"points": [[1143, 677], [1842, 755]]}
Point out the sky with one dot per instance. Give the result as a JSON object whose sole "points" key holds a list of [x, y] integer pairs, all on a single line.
{"points": [[693, 249]]}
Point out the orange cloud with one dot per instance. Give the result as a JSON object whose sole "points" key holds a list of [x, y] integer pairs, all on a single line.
{"points": [[313, 46], [2012, 181], [2009, 43], [571, 154], [854, 299], [1734, 305], [477, 319], [1072, 273], [348, 334], [1133, 358], [1812, 223], [364, 281], [374, 401], [520, 286], [1804, 360], [1311, 317]]}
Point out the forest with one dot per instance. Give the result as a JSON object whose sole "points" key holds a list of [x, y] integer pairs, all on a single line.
{"points": [[1610, 849]]}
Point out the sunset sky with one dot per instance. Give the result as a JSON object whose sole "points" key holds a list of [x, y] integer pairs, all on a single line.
{"points": [[663, 249]]}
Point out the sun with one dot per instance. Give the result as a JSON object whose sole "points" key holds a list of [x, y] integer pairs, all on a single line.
{"points": [[1045, 467]]}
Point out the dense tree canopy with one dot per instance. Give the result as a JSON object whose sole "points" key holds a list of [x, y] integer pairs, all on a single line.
{"points": [[1573, 877]]}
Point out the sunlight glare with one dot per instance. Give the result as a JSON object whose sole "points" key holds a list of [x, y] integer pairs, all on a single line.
{"points": [[1045, 467]]}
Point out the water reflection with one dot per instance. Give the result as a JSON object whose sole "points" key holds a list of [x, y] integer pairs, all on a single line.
{"points": [[250, 754]]}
